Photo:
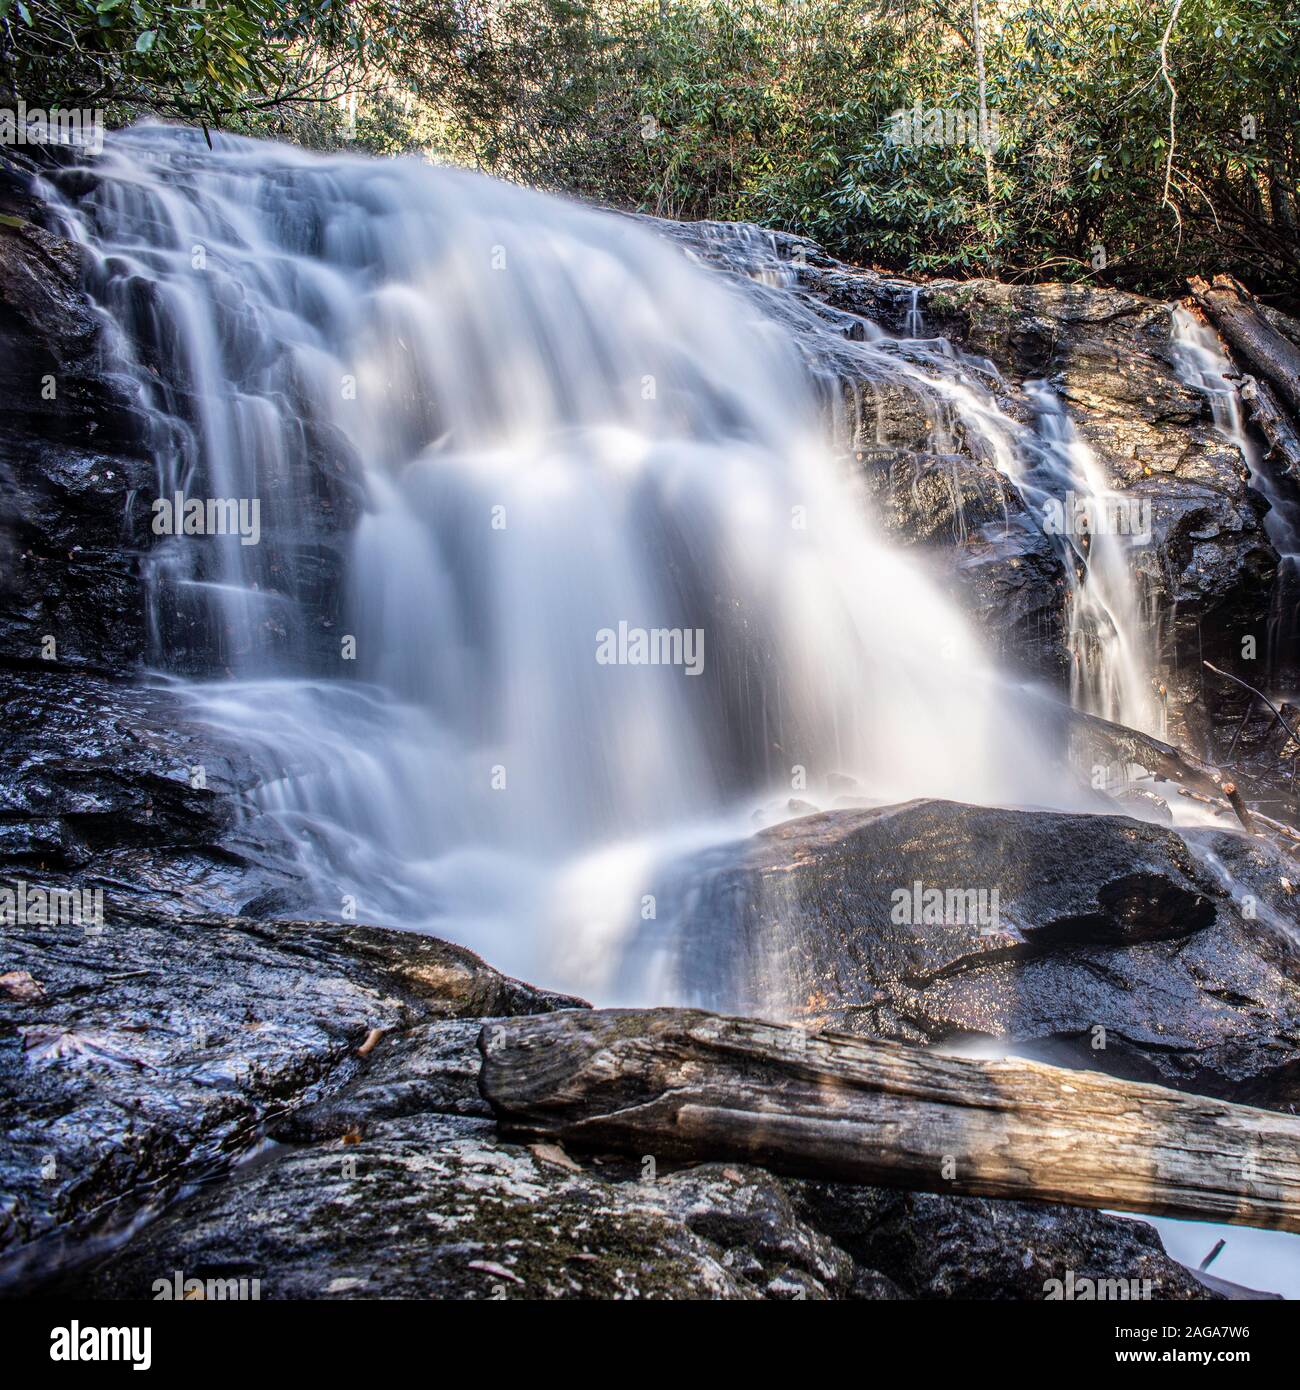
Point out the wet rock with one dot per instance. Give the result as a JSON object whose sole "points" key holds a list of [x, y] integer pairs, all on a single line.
{"points": [[70, 458], [1208, 570], [928, 1246], [439, 1208], [77, 477], [418, 1197], [1108, 944], [399, 1187], [110, 785], [155, 1049], [998, 564]]}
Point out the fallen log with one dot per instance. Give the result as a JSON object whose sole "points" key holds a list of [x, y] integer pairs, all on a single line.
{"points": [[1162, 759], [1282, 436], [1251, 336], [1165, 762], [679, 1084], [1196, 778]]}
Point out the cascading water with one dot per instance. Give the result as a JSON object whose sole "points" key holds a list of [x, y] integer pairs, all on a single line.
{"points": [[1097, 531], [1201, 364], [561, 438], [1111, 674]]}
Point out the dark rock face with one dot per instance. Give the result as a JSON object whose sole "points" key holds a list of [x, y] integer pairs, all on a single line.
{"points": [[1210, 567], [103, 777], [993, 556], [131, 1056], [1111, 947], [71, 458], [970, 1247], [107, 785], [1208, 570]]}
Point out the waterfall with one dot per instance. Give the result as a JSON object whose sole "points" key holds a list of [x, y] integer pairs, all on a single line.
{"points": [[557, 575], [1109, 640], [1202, 365], [1101, 535]]}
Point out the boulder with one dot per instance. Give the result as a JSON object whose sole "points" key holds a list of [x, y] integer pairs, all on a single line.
{"points": [[134, 1055], [1085, 940], [971, 1247]]}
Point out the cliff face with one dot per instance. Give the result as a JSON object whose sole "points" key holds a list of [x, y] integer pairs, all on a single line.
{"points": [[106, 763], [103, 772], [71, 458]]}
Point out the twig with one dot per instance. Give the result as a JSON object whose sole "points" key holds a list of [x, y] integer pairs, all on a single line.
{"points": [[1277, 713]]}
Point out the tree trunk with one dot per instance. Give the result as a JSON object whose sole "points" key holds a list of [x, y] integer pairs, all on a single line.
{"points": [[985, 134], [684, 1085]]}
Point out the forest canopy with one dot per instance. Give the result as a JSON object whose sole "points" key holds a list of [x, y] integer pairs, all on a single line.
{"points": [[1135, 142]]}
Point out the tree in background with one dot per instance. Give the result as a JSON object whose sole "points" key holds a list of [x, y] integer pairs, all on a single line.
{"points": [[1136, 140]]}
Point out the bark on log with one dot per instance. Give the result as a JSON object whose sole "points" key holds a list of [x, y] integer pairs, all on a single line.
{"points": [[1251, 336], [1163, 759], [1283, 437], [686, 1085], [1195, 778]]}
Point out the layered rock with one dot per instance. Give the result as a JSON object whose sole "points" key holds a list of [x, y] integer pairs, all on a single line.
{"points": [[106, 779], [72, 463], [1208, 572], [134, 1055]]}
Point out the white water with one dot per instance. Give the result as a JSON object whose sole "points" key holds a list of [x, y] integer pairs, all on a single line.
{"points": [[558, 424], [1201, 364], [1109, 622]]}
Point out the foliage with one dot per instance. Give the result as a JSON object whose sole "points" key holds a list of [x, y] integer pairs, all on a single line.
{"points": [[779, 113], [196, 60], [776, 111]]}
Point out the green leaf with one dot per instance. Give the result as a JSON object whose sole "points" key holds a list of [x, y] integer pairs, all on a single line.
{"points": [[146, 41]]}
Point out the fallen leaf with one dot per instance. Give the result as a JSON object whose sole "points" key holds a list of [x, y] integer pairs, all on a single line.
{"points": [[553, 1153], [18, 984], [44, 1046], [499, 1270], [342, 1285]]}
